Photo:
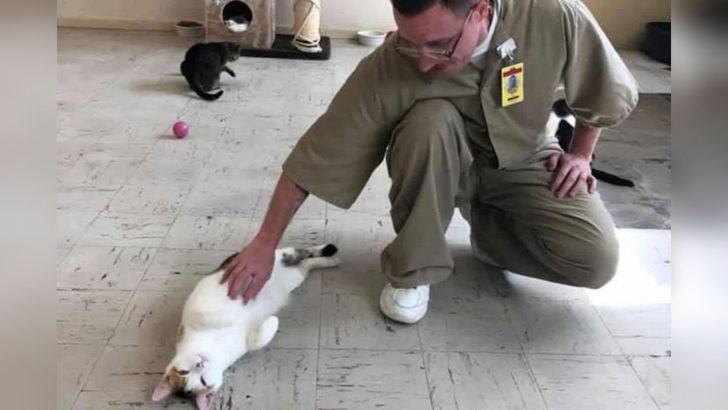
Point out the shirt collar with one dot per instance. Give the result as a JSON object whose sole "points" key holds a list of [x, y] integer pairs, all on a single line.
{"points": [[483, 47]]}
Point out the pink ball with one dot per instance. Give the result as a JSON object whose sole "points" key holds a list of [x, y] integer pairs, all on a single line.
{"points": [[180, 129]]}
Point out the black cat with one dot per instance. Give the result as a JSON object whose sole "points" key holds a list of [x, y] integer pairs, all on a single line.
{"points": [[204, 62], [565, 132]]}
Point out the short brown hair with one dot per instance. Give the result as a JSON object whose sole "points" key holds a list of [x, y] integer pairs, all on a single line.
{"points": [[414, 7]]}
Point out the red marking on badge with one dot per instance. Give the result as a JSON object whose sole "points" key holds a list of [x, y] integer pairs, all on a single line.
{"points": [[512, 71]]}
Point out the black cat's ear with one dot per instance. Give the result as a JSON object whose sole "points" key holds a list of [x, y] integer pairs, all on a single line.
{"points": [[561, 109], [565, 129]]}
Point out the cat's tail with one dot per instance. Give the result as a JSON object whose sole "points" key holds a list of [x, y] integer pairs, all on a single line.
{"points": [[316, 257], [611, 178]]}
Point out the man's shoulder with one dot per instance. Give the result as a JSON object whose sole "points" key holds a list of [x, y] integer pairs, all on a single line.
{"points": [[524, 9], [385, 57], [384, 68]]}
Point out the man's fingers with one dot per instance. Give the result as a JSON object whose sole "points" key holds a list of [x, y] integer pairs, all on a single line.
{"points": [[580, 181], [232, 271], [255, 286], [232, 287], [228, 271], [246, 284], [571, 179], [552, 162], [591, 184], [559, 177], [236, 283]]}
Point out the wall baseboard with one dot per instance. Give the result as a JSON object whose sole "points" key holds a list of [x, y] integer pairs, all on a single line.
{"points": [[116, 24], [156, 25]]}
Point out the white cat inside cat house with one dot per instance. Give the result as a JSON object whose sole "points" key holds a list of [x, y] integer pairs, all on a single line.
{"points": [[247, 22]]}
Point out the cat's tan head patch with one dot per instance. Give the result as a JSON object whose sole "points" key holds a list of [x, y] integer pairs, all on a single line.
{"points": [[178, 379]]}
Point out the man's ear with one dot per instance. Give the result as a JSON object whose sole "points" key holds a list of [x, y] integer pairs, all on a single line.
{"points": [[204, 400], [163, 389], [482, 8]]}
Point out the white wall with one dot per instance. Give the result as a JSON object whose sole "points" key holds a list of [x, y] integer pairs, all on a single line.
{"points": [[349, 15], [623, 20], [337, 15]]}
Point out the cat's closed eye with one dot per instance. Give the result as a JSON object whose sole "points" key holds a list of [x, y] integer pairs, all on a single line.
{"points": [[182, 372], [202, 379]]}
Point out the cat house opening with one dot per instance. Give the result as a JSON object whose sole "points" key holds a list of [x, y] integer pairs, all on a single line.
{"points": [[236, 16]]}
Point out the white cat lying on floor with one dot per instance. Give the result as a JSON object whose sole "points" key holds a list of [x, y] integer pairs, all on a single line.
{"points": [[216, 331]]}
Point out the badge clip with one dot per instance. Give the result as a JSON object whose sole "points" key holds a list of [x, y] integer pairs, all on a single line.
{"points": [[507, 50]]}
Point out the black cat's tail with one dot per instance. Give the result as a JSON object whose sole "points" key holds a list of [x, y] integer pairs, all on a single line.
{"points": [[195, 85], [611, 178]]}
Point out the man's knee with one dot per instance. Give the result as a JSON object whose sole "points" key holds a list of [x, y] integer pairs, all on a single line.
{"points": [[592, 263], [429, 123]]}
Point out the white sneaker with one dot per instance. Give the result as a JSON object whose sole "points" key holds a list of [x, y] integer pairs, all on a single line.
{"points": [[404, 305]]}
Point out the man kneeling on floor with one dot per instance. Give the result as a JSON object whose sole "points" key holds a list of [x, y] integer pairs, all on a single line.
{"points": [[457, 101]]}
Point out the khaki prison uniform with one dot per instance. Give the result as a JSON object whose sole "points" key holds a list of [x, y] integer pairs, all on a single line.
{"points": [[449, 142]]}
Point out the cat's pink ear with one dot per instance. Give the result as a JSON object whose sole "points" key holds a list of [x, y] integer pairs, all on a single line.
{"points": [[162, 390], [204, 400]]}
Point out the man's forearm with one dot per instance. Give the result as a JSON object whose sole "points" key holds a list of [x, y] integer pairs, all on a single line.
{"points": [[584, 140], [286, 200]]}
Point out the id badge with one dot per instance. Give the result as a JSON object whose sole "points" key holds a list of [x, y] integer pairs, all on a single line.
{"points": [[512, 84]]}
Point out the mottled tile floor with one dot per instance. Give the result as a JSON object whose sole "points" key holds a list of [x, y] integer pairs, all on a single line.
{"points": [[141, 216], [640, 149]]}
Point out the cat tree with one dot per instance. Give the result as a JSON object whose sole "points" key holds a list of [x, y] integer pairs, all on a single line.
{"points": [[252, 24]]}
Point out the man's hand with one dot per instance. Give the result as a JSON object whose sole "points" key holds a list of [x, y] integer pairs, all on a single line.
{"points": [[570, 173], [250, 270]]}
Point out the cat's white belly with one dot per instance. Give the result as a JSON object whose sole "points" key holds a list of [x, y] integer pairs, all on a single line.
{"points": [[209, 307]]}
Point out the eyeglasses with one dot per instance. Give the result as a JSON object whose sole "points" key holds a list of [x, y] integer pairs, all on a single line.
{"points": [[410, 50]]}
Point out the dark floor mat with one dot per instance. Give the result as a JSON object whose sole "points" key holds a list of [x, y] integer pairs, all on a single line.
{"points": [[282, 48]]}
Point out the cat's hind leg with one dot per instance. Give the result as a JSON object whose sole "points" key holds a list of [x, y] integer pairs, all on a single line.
{"points": [[229, 71], [294, 256], [323, 256], [259, 337], [318, 262]]}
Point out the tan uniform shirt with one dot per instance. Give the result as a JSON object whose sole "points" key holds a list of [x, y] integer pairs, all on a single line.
{"points": [[560, 44]]}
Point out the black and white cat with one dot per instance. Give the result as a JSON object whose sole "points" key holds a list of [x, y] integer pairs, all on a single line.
{"points": [[216, 331], [203, 64], [565, 119]]}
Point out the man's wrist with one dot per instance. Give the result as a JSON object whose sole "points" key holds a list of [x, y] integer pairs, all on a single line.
{"points": [[266, 239], [583, 155]]}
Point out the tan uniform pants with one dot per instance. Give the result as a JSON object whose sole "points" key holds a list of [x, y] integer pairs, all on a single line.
{"points": [[516, 222]]}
